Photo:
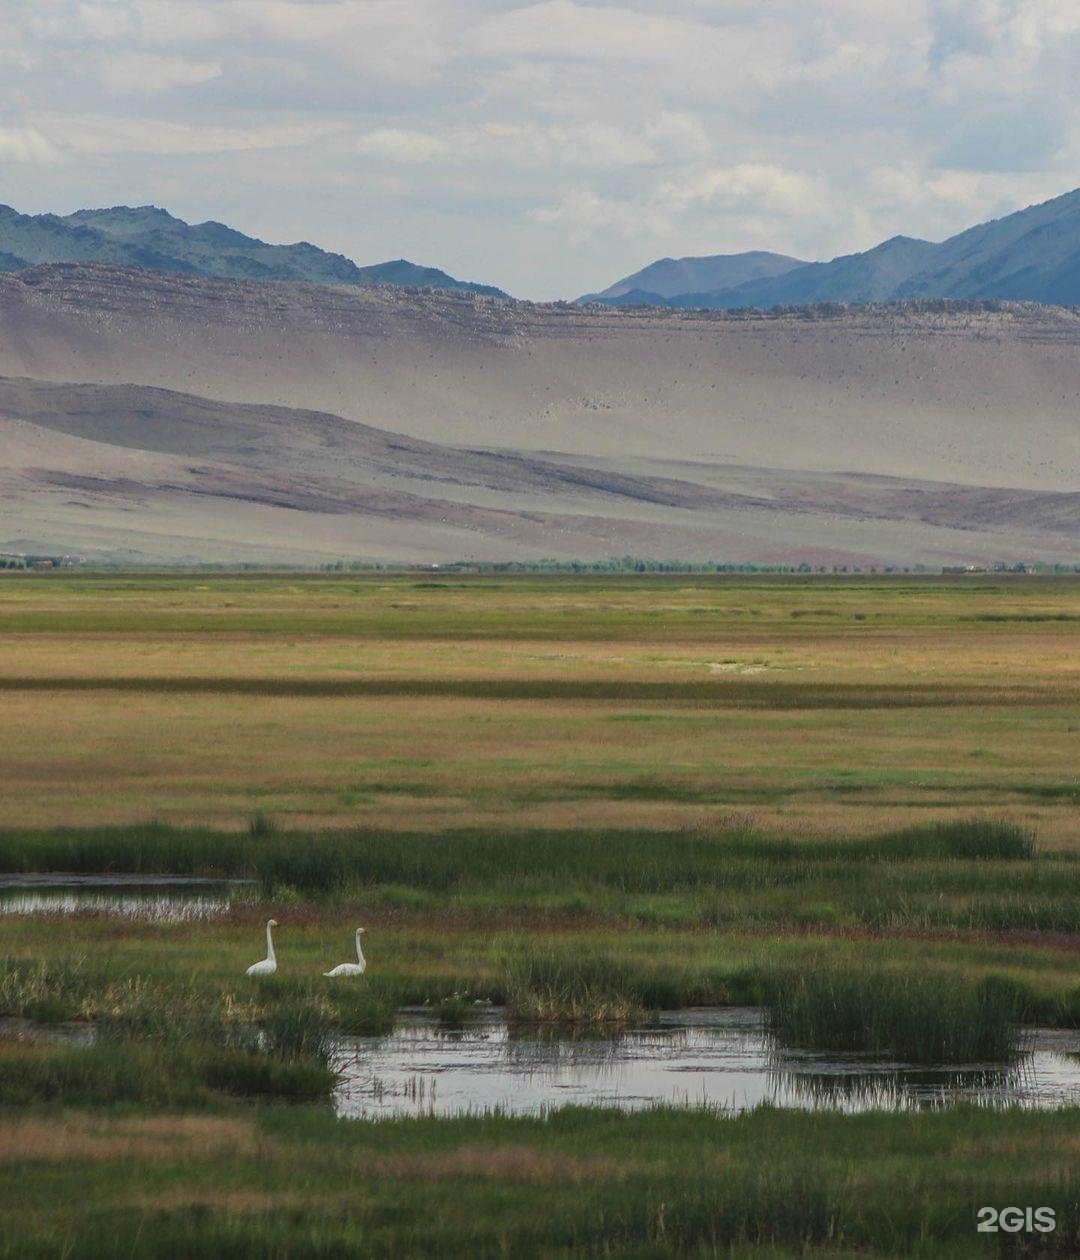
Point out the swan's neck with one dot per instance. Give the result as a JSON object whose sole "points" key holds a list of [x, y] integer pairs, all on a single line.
{"points": [[359, 951], [270, 944]]}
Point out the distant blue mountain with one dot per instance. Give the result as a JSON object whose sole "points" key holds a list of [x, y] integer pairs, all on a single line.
{"points": [[1033, 255], [670, 277], [145, 236]]}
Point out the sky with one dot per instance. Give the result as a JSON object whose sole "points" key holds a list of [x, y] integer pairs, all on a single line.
{"points": [[550, 147]]}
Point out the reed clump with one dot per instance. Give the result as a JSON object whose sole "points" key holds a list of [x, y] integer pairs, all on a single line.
{"points": [[48, 991], [454, 1011], [329, 863], [964, 839], [98, 1075], [548, 985], [280, 1016], [914, 1016], [251, 1075], [191, 1075]]}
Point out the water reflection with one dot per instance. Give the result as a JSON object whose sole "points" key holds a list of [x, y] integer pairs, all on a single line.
{"points": [[162, 898], [13, 1028], [722, 1059]]}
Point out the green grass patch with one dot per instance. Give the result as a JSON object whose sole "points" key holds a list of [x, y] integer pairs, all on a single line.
{"points": [[727, 693], [913, 1016], [578, 1183], [110, 1073], [319, 862], [967, 875], [553, 985]]}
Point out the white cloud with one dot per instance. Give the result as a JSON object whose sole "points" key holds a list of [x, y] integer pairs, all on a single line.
{"points": [[147, 74], [584, 214], [763, 188], [590, 144], [398, 144], [563, 30], [20, 143], [103, 136], [547, 144], [953, 196], [768, 197], [677, 135]]}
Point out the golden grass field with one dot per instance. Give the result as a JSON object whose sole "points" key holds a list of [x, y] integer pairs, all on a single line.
{"points": [[826, 705]]}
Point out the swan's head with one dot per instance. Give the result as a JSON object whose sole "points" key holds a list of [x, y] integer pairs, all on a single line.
{"points": [[359, 930], [271, 922]]}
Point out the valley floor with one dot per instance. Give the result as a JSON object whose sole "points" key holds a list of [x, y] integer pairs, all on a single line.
{"points": [[673, 789]]}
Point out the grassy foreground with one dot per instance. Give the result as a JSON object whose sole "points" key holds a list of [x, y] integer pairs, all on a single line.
{"points": [[284, 1183]]}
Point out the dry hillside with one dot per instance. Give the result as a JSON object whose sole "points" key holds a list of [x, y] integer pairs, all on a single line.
{"points": [[158, 417]]}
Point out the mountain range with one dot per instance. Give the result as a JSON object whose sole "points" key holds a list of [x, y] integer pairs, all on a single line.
{"points": [[1032, 255], [145, 236], [177, 393], [672, 277]]}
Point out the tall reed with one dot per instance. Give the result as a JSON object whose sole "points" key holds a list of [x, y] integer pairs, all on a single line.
{"points": [[916, 1017], [546, 984]]}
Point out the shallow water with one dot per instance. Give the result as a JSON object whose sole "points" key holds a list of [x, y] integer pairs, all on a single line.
{"points": [[718, 1058], [13, 1028], [160, 898]]}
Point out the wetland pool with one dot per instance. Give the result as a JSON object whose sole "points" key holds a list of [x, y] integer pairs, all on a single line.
{"points": [[159, 898], [722, 1058]]}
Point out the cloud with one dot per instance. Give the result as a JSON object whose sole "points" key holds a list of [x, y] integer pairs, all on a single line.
{"points": [[767, 197], [953, 195], [591, 144], [103, 136], [398, 144], [147, 74], [768, 189], [25, 144], [584, 213], [563, 30], [548, 145]]}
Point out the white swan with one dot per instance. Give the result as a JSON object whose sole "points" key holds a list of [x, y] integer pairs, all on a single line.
{"points": [[351, 969], [269, 964]]}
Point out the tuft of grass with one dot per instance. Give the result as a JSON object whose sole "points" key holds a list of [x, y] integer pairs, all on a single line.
{"points": [[321, 863], [965, 839], [915, 1016], [99, 1075], [260, 826], [249, 1075], [454, 1011], [193, 1075], [312, 864], [297, 1029], [549, 985], [48, 991]]}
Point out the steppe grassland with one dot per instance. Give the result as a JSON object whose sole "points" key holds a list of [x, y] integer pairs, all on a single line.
{"points": [[824, 705], [628, 713]]}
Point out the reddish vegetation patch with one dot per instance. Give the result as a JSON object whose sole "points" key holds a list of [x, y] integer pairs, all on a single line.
{"points": [[506, 1163], [157, 1138]]}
